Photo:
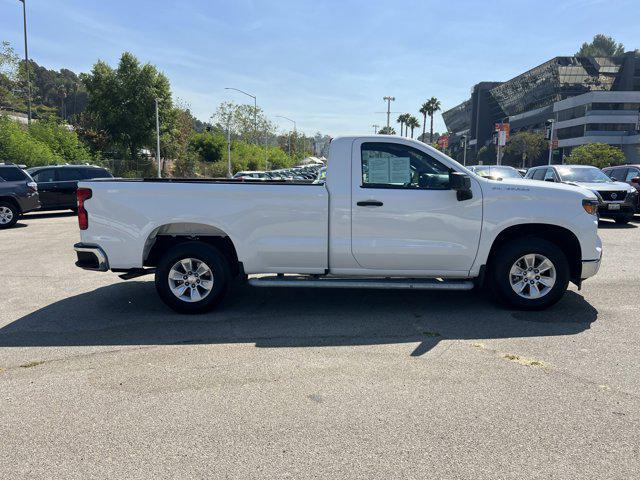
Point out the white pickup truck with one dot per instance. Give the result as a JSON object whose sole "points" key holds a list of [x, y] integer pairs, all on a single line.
{"points": [[393, 213]]}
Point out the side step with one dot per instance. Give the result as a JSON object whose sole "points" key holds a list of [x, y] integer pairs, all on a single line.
{"points": [[376, 283]]}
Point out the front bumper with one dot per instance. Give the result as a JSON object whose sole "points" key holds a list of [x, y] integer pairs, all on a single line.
{"points": [[91, 257], [621, 209]]}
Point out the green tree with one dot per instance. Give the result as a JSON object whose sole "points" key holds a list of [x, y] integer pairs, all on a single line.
{"points": [[524, 147], [243, 119], [596, 154], [18, 146], [412, 123], [122, 101], [387, 131], [431, 106], [61, 139], [601, 46], [208, 146]]}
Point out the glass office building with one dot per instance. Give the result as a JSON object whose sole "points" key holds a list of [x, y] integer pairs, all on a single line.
{"points": [[528, 100]]}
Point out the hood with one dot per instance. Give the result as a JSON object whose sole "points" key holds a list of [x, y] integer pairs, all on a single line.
{"points": [[603, 187]]}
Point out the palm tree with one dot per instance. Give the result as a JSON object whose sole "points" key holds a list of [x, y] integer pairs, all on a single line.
{"points": [[400, 120], [424, 110], [412, 122], [431, 106]]}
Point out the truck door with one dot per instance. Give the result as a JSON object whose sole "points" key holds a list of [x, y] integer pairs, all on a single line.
{"points": [[404, 214]]}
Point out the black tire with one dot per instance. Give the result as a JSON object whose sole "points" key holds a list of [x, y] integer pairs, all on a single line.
{"points": [[211, 256], [623, 220], [506, 257], [13, 212]]}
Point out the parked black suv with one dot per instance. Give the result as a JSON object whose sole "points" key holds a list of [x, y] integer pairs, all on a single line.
{"points": [[57, 184], [18, 194]]}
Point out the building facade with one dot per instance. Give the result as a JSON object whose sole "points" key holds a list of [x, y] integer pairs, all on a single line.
{"points": [[604, 93]]}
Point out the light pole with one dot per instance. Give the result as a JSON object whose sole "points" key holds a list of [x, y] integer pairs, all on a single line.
{"points": [[255, 110], [551, 121], [158, 139], [294, 129], [464, 152], [26, 58], [389, 100], [375, 128]]}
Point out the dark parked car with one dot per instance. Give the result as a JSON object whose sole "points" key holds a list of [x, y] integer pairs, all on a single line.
{"points": [[57, 184], [18, 194], [617, 199], [626, 173]]}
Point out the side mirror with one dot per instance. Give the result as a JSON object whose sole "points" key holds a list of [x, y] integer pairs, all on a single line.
{"points": [[635, 180], [461, 183], [549, 179]]}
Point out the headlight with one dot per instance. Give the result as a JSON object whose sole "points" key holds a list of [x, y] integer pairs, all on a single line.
{"points": [[590, 206]]}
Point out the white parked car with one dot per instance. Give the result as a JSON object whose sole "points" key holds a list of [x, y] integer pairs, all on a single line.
{"points": [[393, 213]]}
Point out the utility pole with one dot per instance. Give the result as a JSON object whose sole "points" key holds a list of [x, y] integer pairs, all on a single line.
{"points": [[388, 100], [375, 128], [294, 130], [158, 140], [26, 58], [229, 147]]}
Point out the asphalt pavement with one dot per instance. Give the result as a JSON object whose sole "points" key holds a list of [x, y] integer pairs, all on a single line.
{"points": [[98, 379]]}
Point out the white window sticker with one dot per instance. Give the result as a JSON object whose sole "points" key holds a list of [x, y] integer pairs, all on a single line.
{"points": [[378, 170], [400, 170]]}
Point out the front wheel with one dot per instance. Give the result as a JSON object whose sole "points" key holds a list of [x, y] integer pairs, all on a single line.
{"points": [[192, 277], [8, 215], [529, 273]]}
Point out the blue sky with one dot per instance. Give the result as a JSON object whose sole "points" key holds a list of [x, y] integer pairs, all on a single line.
{"points": [[326, 64]]}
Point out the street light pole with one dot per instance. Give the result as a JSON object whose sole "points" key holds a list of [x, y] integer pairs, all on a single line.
{"points": [[552, 121], [464, 152], [294, 129], [375, 128], [255, 111], [158, 140], [26, 58], [389, 100]]}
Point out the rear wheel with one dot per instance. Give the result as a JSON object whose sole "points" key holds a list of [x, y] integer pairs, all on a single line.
{"points": [[529, 273], [192, 277], [8, 215]]}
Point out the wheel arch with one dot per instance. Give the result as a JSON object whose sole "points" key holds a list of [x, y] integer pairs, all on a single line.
{"points": [[168, 235], [13, 202], [564, 238]]}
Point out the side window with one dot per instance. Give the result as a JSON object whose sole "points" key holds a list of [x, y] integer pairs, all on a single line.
{"points": [[631, 174], [69, 174], [619, 174], [89, 173], [392, 165], [48, 175], [550, 175], [539, 174]]}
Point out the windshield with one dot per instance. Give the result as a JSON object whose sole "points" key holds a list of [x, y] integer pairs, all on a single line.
{"points": [[586, 175], [498, 172]]}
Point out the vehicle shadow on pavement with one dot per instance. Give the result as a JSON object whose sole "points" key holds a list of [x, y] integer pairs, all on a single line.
{"points": [[130, 313], [46, 214]]}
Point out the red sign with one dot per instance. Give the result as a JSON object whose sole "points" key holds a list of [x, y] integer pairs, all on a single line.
{"points": [[554, 144], [443, 141]]}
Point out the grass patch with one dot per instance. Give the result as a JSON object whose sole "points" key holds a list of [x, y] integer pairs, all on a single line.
{"points": [[527, 362], [33, 363], [431, 334]]}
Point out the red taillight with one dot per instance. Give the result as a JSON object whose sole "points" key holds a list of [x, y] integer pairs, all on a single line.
{"points": [[83, 217]]}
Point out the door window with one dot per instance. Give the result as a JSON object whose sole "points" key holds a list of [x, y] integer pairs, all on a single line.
{"points": [[89, 173], [631, 174], [392, 165], [69, 174], [618, 174], [550, 175], [539, 174], [43, 176]]}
